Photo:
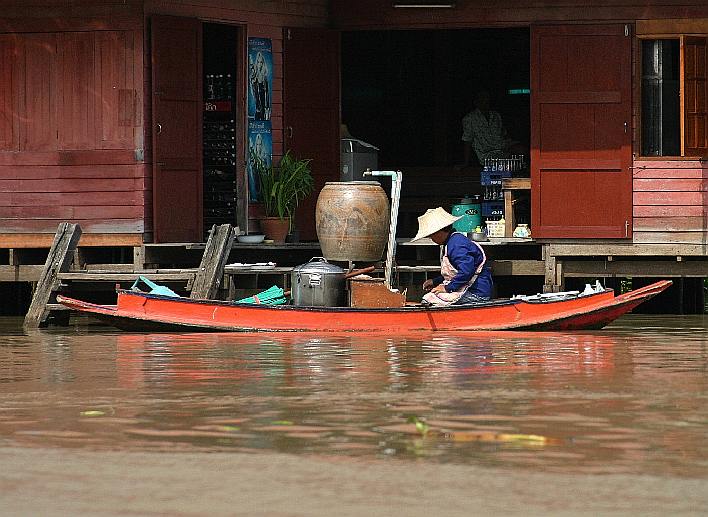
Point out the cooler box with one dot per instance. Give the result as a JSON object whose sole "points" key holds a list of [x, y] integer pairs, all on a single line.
{"points": [[357, 156]]}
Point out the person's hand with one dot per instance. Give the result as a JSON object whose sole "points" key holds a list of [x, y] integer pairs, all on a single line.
{"points": [[428, 285], [440, 288]]}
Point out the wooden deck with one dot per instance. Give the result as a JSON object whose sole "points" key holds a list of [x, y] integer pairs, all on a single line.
{"points": [[539, 265]]}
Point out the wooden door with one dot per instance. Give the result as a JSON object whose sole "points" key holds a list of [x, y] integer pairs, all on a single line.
{"points": [[581, 131], [177, 129], [311, 110]]}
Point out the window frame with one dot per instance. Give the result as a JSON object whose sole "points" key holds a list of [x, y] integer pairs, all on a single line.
{"points": [[655, 35]]}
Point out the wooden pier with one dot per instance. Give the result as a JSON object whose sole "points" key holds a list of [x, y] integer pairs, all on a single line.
{"points": [[201, 270]]}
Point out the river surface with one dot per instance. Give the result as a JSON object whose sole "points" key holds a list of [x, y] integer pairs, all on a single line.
{"points": [[631, 399]]}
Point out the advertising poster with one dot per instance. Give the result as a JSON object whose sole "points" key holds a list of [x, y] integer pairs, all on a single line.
{"points": [[260, 78], [260, 146]]}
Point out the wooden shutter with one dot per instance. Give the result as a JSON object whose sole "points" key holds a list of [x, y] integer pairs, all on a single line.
{"points": [[311, 110], [581, 149], [177, 129], [694, 129]]}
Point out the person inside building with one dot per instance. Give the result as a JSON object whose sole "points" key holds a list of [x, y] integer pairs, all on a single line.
{"points": [[484, 135], [465, 277]]}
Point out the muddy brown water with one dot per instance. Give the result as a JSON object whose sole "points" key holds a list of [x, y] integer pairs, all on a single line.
{"points": [[631, 399]]}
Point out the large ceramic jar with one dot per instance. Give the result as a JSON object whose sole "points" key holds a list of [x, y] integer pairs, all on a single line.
{"points": [[352, 219]]}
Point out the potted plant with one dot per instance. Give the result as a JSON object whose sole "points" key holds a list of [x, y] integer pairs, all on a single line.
{"points": [[281, 189]]}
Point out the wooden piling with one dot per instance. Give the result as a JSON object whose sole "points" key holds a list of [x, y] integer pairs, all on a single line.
{"points": [[211, 270], [58, 261]]}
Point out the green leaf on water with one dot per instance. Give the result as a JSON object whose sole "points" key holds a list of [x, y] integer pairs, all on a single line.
{"points": [[281, 422], [420, 425]]}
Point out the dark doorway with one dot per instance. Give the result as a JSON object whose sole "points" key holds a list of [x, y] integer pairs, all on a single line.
{"points": [[406, 92], [220, 46]]}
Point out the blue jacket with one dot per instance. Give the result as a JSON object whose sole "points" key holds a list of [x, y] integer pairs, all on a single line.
{"points": [[466, 256]]}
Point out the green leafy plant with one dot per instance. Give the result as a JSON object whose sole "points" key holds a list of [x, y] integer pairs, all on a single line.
{"points": [[283, 186]]}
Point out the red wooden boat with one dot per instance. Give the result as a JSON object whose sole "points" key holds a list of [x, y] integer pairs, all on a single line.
{"points": [[562, 311]]}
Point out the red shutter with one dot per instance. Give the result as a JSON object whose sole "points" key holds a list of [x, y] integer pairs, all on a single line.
{"points": [[581, 131], [695, 96], [311, 110], [177, 129]]}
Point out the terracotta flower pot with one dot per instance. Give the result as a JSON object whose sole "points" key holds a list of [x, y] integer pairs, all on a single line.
{"points": [[275, 228]]}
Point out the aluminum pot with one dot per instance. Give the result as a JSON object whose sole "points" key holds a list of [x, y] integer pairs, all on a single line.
{"points": [[318, 284]]}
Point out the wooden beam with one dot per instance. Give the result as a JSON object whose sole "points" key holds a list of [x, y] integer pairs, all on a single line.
{"points": [[634, 268], [44, 240], [107, 276], [589, 249], [518, 267], [211, 270], [58, 261], [671, 27], [20, 273]]}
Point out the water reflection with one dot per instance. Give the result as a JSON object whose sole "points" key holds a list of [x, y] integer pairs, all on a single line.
{"points": [[621, 400]]}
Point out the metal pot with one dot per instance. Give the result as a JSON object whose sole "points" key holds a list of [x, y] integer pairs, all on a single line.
{"points": [[318, 284]]}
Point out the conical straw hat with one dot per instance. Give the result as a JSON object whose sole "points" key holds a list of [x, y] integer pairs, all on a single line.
{"points": [[432, 220]]}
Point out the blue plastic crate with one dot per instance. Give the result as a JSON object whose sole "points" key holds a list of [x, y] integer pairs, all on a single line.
{"points": [[490, 177], [493, 209]]}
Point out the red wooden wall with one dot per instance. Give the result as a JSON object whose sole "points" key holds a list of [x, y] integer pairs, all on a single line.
{"points": [[670, 201], [75, 109], [70, 123]]}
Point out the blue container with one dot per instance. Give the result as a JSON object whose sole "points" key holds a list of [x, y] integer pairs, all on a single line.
{"points": [[493, 177], [493, 209], [471, 212]]}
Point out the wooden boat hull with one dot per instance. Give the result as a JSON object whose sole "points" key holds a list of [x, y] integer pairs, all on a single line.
{"points": [[154, 313]]}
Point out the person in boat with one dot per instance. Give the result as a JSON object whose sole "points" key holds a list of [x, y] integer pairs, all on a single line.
{"points": [[465, 277]]}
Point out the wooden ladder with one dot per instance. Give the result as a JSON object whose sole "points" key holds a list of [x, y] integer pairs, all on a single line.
{"points": [[204, 285], [211, 270]]}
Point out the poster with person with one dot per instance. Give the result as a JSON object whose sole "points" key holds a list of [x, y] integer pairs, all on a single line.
{"points": [[260, 78], [260, 149]]}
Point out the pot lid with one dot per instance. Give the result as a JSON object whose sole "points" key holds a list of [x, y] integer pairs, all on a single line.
{"points": [[319, 265]]}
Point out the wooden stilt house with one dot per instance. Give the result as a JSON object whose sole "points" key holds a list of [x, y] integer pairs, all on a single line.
{"points": [[104, 115]]}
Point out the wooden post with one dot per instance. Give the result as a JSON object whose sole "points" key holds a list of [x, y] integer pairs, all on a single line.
{"points": [[211, 270], [60, 255], [138, 258], [550, 283]]}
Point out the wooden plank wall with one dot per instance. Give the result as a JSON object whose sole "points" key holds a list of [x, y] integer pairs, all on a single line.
{"points": [[71, 122], [670, 202]]}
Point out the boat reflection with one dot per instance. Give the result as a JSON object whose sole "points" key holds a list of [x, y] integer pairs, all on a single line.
{"points": [[307, 360]]}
